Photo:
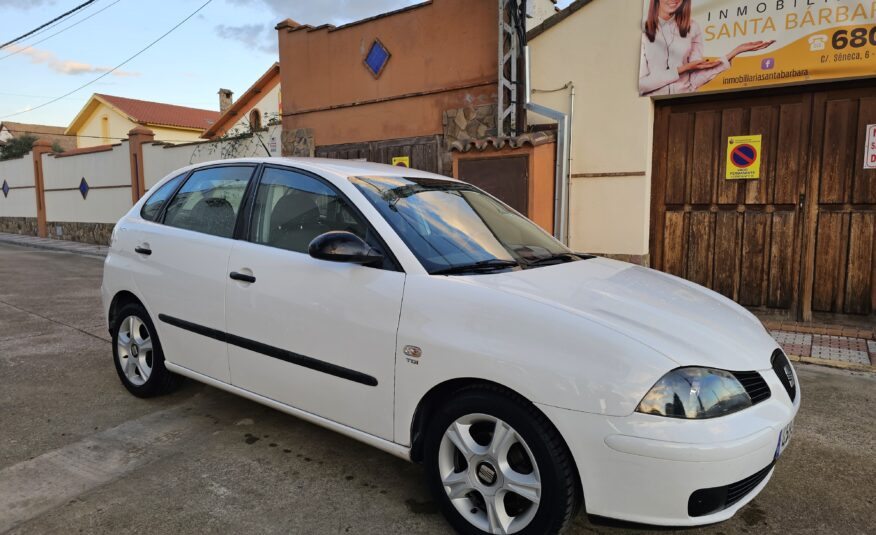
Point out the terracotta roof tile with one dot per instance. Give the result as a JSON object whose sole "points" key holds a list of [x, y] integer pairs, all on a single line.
{"points": [[51, 133], [245, 103], [157, 113], [493, 142]]}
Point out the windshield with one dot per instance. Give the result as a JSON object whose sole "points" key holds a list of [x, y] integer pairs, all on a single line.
{"points": [[452, 225]]}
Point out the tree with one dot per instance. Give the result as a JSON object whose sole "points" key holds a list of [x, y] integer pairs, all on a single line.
{"points": [[21, 145], [17, 147]]}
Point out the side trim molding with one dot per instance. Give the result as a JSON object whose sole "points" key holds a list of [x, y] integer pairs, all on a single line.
{"points": [[271, 351]]}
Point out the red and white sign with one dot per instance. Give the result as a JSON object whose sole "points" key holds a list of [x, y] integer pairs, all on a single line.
{"points": [[870, 149]]}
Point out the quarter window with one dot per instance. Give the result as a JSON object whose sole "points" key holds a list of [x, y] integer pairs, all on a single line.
{"points": [[292, 209], [153, 205], [209, 201]]}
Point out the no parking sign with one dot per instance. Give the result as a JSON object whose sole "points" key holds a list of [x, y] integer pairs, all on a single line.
{"points": [[743, 157]]}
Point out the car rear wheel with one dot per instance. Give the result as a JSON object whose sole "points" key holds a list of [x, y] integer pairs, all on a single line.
{"points": [[496, 465], [137, 354]]}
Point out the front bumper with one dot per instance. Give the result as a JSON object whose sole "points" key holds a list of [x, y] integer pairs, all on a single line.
{"points": [[644, 468]]}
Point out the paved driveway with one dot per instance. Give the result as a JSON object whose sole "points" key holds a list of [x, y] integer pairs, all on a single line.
{"points": [[79, 454]]}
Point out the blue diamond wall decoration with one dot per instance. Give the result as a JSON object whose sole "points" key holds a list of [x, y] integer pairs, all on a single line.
{"points": [[83, 188], [377, 58], [5, 189]]}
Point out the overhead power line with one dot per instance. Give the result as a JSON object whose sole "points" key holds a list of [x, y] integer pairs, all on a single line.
{"points": [[51, 25], [62, 30], [120, 65], [53, 21]]}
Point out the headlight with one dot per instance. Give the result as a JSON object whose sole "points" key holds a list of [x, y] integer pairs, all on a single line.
{"points": [[695, 393]]}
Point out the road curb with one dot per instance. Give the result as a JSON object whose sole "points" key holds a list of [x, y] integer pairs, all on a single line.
{"points": [[833, 364], [45, 244]]}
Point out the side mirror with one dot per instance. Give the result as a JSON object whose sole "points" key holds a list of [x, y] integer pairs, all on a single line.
{"points": [[342, 246]]}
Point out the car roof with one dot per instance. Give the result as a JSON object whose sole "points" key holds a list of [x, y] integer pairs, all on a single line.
{"points": [[346, 168]]}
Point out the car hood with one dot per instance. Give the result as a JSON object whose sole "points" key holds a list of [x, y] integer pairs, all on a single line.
{"points": [[687, 323]]}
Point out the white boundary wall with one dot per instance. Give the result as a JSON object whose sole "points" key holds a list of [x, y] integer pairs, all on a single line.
{"points": [[108, 175], [161, 159], [18, 173]]}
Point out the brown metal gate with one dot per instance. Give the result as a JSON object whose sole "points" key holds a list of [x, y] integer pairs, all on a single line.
{"points": [[507, 178], [801, 238], [424, 152]]}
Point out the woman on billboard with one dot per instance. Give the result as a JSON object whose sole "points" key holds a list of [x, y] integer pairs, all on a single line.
{"points": [[672, 51]]}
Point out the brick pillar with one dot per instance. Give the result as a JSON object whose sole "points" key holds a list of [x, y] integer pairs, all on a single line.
{"points": [[136, 138], [40, 147]]}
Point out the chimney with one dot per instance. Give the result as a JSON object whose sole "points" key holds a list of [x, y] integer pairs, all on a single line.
{"points": [[225, 99]]}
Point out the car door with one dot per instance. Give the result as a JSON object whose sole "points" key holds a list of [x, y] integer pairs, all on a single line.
{"points": [[182, 266], [316, 335]]}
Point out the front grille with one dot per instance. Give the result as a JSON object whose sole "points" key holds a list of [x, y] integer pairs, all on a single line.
{"points": [[707, 501], [755, 385], [786, 374], [740, 489]]}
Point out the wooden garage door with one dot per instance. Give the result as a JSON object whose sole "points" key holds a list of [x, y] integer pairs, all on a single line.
{"points": [[841, 268], [801, 238], [738, 237]]}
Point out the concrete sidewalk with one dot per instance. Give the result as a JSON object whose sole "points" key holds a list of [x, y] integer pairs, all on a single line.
{"points": [[828, 345], [87, 249]]}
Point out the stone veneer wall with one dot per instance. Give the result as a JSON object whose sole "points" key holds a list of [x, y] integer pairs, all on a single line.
{"points": [[298, 142], [19, 225], [97, 233], [463, 124]]}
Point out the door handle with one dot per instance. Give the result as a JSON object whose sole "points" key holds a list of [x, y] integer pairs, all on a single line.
{"points": [[242, 277], [143, 250]]}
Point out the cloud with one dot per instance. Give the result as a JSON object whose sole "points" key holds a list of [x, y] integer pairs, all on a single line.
{"points": [[326, 11], [25, 4], [263, 37], [38, 56], [258, 36]]}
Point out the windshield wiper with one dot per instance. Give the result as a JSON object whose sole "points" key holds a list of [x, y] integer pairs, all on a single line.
{"points": [[484, 265], [558, 258]]}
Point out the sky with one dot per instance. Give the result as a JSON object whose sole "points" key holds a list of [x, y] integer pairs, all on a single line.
{"points": [[227, 43]]}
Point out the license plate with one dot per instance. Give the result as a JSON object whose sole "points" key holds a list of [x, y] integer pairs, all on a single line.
{"points": [[784, 439]]}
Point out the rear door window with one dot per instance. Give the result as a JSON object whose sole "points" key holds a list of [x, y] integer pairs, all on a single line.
{"points": [[209, 201]]}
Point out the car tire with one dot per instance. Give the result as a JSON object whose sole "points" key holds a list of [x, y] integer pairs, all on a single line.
{"points": [[137, 354], [495, 462]]}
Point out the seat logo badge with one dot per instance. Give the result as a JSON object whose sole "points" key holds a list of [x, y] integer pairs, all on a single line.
{"points": [[412, 353], [487, 474], [790, 376]]}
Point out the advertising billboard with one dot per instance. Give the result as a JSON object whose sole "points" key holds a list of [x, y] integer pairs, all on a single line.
{"points": [[696, 46]]}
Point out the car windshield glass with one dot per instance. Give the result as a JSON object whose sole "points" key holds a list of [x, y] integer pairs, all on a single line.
{"points": [[450, 226]]}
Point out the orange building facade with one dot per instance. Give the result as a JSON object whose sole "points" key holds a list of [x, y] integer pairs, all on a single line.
{"points": [[436, 56], [417, 86]]}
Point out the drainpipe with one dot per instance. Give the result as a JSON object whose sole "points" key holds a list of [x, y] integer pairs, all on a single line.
{"points": [[564, 142]]}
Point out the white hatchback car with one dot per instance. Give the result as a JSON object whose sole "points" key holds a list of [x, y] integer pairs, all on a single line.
{"points": [[420, 315]]}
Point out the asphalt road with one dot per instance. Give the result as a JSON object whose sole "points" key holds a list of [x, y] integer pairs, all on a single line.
{"points": [[78, 454]]}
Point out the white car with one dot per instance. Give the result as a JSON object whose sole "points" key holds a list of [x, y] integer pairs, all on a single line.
{"points": [[420, 315]]}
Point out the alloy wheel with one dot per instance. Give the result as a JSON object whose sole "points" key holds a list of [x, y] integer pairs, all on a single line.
{"points": [[135, 354], [489, 473]]}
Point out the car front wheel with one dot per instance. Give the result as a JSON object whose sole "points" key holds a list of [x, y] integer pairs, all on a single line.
{"points": [[496, 465]]}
